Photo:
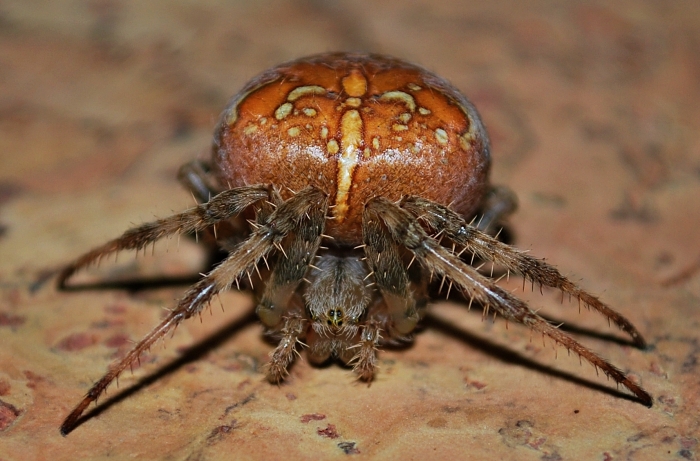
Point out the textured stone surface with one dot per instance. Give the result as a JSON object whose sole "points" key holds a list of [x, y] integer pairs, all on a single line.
{"points": [[593, 111]]}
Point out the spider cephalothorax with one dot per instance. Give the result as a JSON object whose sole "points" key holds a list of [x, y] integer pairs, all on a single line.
{"points": [[337, 173]]}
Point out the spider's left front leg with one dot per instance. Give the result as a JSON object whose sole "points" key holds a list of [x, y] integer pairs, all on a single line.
{"points": [[400, 316], [364, 361], [384, 260], [402, 226]]}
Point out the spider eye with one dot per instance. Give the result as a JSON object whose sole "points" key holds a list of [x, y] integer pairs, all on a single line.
{"points": [[335, 317]]}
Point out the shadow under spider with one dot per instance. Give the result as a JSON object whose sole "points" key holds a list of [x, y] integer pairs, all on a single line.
{"points": [[596, 334], [199, 350], [134, 285], [456, 297], [191, 354], [509, 356]]}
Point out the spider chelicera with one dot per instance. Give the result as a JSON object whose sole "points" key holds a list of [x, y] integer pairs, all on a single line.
{"points": [[346, 182]]}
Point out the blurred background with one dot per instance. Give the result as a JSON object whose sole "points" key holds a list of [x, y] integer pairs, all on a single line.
{"points": [[593, 110]]}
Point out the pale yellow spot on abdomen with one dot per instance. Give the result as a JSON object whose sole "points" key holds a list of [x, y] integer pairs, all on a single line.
{"points": [[400, 97], [441, 136], [302, 91], [283, 110], [332, 147], [355, 84]]}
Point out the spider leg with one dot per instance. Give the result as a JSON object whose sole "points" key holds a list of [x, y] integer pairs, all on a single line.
{"points": [[197, 219], [499, 203], [196, 178], [291, 266], [288, 272], [434, 257], [383, 258], [486, 247], [364, 361], [283, 355], [282, 221]]}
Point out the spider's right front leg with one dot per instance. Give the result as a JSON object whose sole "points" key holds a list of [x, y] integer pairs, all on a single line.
{"points": [[276, 309], [267, 236]]}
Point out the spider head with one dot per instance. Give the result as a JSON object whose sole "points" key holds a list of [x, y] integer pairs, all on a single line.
{"points": [[337, 296]]}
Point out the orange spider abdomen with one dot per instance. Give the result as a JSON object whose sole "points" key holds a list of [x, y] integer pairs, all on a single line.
{"points": [[357, 126]]}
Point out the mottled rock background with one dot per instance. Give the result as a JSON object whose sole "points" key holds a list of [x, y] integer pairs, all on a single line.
{"points": [[594, 110]]}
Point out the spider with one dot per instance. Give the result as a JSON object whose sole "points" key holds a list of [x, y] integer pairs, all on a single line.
{"points": [[345, 182]]}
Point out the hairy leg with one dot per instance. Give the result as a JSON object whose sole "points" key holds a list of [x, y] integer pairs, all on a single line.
{"points": [[196, 178], [383, 258], [436, 258], [297, 253], [364, 361], [291, 266], [499, 203], [282, 221], [197, 219], [487, 248], [293, 327]]}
